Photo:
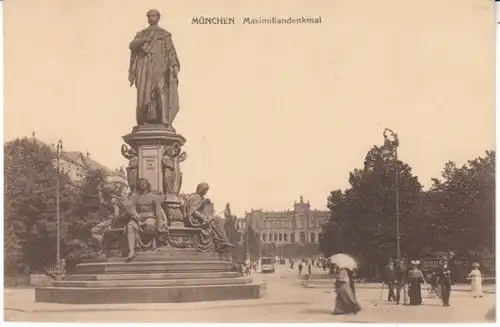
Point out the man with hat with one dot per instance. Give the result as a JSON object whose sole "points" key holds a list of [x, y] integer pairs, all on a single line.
{"points": [[390, 279], [401, 273], [444, 280]]}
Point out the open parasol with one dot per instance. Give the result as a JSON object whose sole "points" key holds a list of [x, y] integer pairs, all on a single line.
{"points": [[342, 260]]}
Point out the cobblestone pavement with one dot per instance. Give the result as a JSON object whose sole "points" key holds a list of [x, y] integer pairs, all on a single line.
{"points": [[285, 301]]}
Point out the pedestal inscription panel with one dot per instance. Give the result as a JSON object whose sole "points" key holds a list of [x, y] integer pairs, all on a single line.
{"points": [[150, 167]]}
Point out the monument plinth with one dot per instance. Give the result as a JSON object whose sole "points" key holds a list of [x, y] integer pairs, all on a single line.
{"points": [[151, 143], [169, 275], [161, 247]]}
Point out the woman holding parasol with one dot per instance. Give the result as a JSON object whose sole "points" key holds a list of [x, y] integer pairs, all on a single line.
{"points": [[345, 302]]}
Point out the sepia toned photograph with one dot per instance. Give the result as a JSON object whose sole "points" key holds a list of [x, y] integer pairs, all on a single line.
{"points": [[249, 162]]}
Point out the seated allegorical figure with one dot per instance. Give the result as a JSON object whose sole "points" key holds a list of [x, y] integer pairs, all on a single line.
{"points": [[145, 217], [99, 231], [212, 232]]}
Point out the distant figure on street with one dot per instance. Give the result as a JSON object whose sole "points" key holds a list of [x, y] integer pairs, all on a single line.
{"points": [[291, 264], [309, 268], [401, 282], [300, 268], [331, 269], [476, 282], [433, 281], [415, 278], [444, 280], [390, 279], [345, 302]]}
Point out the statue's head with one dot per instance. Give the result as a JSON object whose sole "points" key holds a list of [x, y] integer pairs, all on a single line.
{"points": [[169, 151], [153, 17], [143, 185], [202, 189]]}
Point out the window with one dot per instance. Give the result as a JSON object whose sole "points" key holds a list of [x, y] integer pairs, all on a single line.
{"points": [[285, 237], [292, 237], [264, 237], [281, 237], [275, 237], [302, 237], [313, 237]]}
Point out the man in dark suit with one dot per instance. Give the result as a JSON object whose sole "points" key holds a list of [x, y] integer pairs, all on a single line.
{"points": [[390, 279], [444, 280], [401, 276]]}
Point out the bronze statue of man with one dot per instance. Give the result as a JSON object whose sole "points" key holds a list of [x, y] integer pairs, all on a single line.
{"points": [[213, 235], [145, 217], [154, 67]]}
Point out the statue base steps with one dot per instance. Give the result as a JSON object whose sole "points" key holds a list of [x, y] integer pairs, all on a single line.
{"points": [[154, 282], [168, 275], [152, 266], [169, 294], [152, 276]]}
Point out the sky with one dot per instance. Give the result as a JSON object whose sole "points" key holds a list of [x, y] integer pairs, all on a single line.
{"points": [[270, 112]]}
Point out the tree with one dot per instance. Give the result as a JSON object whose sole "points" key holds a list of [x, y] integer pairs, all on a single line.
{"points": [[455, 215], [363, 217], [464, 200], [30, 211], [251, 239], [94, 205], [230, 226]]}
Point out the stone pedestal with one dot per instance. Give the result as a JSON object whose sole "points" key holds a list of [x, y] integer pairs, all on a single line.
{"points": [[179, 237], [173, 270], [164, 276], [150, 142]]}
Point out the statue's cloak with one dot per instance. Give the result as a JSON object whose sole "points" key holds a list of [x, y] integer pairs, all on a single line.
{"points": [[194, 202]]}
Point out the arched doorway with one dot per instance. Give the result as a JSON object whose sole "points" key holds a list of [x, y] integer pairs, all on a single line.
{"points": [[302, 237]]}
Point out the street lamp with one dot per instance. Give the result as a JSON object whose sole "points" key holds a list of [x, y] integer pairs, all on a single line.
{"points": [[247, 223], [58, 255], [391, 144]]}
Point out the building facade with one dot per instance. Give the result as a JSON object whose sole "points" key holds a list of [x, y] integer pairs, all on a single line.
{"points": [[301, 225], [75, 164]]}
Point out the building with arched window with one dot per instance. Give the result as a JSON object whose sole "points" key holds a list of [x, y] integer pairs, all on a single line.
{"points": [[301, 225]]}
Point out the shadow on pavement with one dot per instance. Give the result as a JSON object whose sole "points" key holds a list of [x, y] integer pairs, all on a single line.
{"points": [[316, 311], [491, 315]]}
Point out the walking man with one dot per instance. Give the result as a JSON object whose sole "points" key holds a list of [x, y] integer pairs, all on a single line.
{"points": [[401, 282], [444, 280], [390, 279]]}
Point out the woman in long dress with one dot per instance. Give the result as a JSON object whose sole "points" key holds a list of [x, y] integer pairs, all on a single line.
{"points": [[415, 278], [476, 281], [345, 302]]}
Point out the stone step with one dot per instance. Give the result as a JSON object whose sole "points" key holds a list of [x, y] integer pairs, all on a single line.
{"points": [[154, 283], [151, 276], [153, 266], [162, 294], [153, 256], [165, 255]]}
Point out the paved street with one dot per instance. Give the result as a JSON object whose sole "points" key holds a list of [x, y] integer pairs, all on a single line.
{"points": [[285, 301]]}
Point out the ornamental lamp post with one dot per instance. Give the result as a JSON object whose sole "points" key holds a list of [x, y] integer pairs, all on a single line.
{"points": [[58, 255], [391, 144], [247, 223]]}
